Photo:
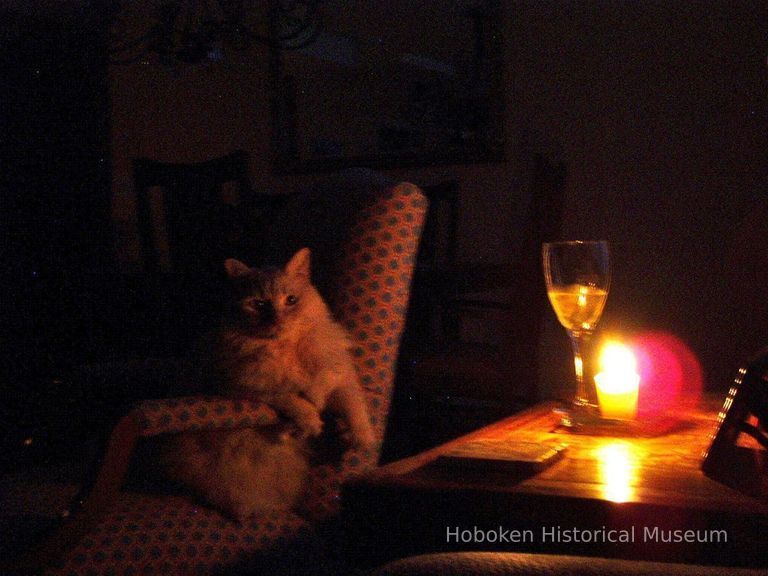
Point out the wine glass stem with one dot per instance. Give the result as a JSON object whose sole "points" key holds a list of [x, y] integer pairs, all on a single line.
{"points": [[578, 340]]}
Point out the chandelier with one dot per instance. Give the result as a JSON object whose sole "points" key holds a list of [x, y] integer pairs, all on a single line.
{"points": [[175, 32]]}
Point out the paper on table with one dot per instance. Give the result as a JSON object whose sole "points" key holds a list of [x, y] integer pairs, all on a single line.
{"points": [[502, 454]]}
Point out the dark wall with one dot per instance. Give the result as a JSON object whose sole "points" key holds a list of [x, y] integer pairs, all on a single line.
{"points": [[55, 235], [660, 110]]}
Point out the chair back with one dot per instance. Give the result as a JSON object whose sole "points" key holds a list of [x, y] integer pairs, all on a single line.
{"points": [[471, 351], [439, 243], [191, 217], [192, 222], [525, 314], [371, 288], [427, 321]]}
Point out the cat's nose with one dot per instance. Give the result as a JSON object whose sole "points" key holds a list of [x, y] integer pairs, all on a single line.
{"points": [[268, 314]]}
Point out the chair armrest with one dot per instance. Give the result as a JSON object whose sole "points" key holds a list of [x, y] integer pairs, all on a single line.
{"points": [[169, 416], [147, 418]]}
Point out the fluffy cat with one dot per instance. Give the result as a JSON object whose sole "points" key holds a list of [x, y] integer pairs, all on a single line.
{"points": [[279, 345]]}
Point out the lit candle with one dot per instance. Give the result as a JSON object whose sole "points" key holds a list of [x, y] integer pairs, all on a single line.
{"points": [[617, 385]]}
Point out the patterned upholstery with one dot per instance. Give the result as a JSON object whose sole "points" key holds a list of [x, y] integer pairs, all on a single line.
{"points": [[371, 300], [372, 291], [144, 534], [199, 412], [151, 534]]}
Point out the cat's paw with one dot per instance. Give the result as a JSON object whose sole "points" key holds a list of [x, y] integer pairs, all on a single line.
{"points": [[309, 426], [362, 438]]}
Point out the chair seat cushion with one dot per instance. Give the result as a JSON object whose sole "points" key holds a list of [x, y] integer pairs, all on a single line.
{"points": [[144, 534]]}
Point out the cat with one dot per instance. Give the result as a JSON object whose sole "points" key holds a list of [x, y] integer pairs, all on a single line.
{"points": [[278, 344]]}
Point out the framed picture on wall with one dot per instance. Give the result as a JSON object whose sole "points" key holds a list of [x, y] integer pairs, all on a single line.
{"points": [[386, 84]]}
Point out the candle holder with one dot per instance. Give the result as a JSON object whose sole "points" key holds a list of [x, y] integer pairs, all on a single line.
{"points": [[617, 388], [617, 395]]}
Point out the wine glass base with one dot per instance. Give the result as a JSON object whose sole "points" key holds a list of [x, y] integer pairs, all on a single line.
{"points": [[579, 415]]}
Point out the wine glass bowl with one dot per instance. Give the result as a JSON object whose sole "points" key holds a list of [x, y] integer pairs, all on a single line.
{"points": [[578, 277]]}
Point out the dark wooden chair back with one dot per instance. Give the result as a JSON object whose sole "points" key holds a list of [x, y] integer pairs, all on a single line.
{"points": [[191, 217], [546, 206], [449, 383], [525, 311], [439, 240], [196, 218], [427, 321]]}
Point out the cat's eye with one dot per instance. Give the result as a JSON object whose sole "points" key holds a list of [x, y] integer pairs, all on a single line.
{"points": [[258, 304], [290, 300]]}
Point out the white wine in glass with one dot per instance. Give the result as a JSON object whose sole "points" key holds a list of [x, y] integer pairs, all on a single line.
{"points": [[578, 277]]}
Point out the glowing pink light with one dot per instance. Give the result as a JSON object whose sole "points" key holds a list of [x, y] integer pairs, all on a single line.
{"points": [[670, 373]]}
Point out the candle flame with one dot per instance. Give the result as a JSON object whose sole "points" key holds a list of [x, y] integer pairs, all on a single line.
{"points": [[617, 384], [617, 359]]}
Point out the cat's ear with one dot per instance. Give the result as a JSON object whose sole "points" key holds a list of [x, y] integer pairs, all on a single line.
{"points": [[236, 269], [298, 265]]}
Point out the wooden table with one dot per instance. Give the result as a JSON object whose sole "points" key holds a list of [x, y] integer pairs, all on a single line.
{"points": [[606, 489]]}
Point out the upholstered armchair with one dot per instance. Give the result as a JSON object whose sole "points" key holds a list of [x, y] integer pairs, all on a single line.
{"points": [[119, 530]]}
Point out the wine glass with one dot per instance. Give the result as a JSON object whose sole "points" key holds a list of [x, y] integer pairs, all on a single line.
{"points": [[578, 277]]}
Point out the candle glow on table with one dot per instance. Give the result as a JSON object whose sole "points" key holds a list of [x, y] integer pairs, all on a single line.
{"points": [[618, 383], [618, 462]]}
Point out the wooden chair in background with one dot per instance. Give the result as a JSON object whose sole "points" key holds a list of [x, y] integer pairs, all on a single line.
{"points": [[191, 217], [450, 383]]}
